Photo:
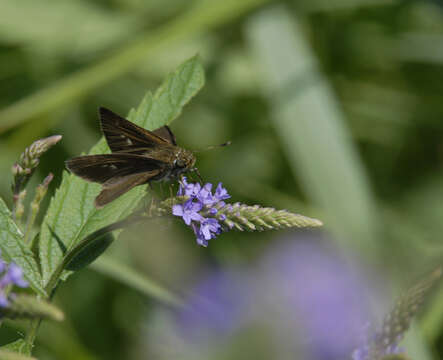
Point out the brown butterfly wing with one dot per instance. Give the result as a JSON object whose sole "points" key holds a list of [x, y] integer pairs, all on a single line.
{"points": [[124, 136], [115, 187], [102, 168], [165, 133]]}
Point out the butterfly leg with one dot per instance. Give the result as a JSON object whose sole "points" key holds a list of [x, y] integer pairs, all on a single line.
{"points": [[162, 190], [170, 190], [195, 170], [154, 198]]}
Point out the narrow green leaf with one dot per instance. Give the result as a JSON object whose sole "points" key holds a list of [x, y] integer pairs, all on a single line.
{"points": [[88, 26], [18, 346], [13, 249], [11, 355], [30, 307], [72, 215], [312, 129], [130, 277], [89, 252], [200, 18], [395, 357]]}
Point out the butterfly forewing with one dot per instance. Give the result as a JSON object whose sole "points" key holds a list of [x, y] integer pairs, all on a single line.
{"points": [[124, 136], [165, 133]]}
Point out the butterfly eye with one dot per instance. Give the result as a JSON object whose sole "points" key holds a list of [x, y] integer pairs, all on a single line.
{"points": [[180, 163]]}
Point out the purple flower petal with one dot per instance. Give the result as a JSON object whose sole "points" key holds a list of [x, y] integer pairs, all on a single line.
{"points": [[3, 300], [187, 218], [15, 275], [177, 210], [205, 195], [188, 211], [193, 206], [208, 227], [221, 193], [200, 238]]}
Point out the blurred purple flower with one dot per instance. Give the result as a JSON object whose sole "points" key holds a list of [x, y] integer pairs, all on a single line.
{"points": [[14, 275], [311, 301], [325, 297], [11, 274], [371, 336], [217, 307]]}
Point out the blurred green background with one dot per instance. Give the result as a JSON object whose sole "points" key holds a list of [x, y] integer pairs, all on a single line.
{"points": [[334, 110]]}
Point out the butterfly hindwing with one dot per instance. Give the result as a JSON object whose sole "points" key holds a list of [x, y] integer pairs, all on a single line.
{"points": [[102, 168], [117, 186]]}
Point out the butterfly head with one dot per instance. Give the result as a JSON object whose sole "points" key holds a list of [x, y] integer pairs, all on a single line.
{"points": [[184, 161]]}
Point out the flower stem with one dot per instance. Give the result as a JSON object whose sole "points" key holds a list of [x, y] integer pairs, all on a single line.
{"points": [[32, 333], [29, 224]]}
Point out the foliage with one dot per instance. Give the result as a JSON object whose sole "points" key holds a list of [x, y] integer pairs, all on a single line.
{"points": [[333, 109]]}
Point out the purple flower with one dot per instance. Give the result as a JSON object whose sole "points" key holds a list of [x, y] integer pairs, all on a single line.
{"points": [[200, 211], [217, 306], [326, 296], [304, 301], [221, 193], [205, 195], [3, 300], [209, 228], [369, 338], [362, 353], [188, 189], [15, 276], [188, 211], [199, 236], [12, 274]]}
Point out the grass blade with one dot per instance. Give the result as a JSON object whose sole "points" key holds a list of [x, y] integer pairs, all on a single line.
{"points": [[123, 273]]}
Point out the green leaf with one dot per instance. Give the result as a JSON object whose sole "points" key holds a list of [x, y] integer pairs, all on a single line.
{"points": [[131, 277], [88, 26], [11, 355], [30, 307], [18, 346], [199, 19], [72, 215], [312, 129], [395, 357], [87, 252], [14, 249]]}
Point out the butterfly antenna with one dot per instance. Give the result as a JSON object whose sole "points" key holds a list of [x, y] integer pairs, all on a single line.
{"points": [[211, 147]]}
